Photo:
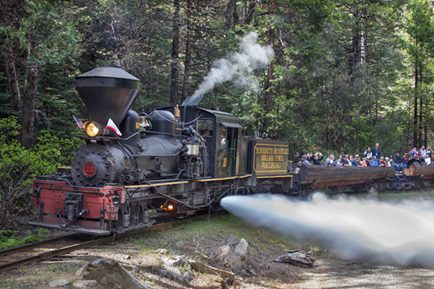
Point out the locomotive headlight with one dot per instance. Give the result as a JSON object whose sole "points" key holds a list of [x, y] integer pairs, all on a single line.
{"points": [[92, 129]]}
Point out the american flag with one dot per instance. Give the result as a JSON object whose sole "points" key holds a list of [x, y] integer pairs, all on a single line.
{"points": [[78, 122]]}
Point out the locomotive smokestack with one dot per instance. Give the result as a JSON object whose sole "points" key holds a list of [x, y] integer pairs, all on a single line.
{"points": [[107, 92]]}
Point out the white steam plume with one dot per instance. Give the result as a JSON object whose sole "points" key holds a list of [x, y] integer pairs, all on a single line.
{"points": [[238, 67], [399, 233]]}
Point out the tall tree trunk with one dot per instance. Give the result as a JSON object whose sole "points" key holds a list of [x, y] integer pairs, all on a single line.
{"points": [[421, 110], [268, 93], [415, 114], [250, 12], [28, 106], [175, 55], [187, 59], [427, 120], [231, 15], [13, 83]]}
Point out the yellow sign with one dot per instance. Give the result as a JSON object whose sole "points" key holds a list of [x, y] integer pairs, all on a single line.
{"points": [[271, 158]]}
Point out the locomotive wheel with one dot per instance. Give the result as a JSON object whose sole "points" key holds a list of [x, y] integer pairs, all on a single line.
{"points": [[130, 215], [141, 214], [135, 209]]}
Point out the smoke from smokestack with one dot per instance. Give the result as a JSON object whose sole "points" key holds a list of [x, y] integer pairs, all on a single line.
{"points": [[237, 67], [389, 233]]}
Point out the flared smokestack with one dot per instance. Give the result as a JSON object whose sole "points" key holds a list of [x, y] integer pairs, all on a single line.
{"points": [[107, 92]]}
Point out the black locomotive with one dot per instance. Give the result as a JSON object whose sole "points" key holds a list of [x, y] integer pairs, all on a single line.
{"points": [[133, 168]]}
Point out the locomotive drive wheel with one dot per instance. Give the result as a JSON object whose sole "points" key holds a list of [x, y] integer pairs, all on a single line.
{"points": [[130, 215]]}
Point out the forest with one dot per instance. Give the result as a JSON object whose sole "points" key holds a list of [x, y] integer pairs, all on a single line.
{"points": [[345, 73]]}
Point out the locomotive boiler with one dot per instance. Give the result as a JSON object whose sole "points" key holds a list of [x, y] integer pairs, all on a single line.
{"points": [[134, 168]]}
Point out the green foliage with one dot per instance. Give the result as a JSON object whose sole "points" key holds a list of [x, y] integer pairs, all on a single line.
{"points": [[48, 33], [9, 129], [59, 150], [342, 78], [12, 238], [19, 166]]}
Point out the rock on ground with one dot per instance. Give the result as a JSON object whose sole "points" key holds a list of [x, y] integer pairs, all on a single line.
{"points": [[59, 283], [171, 271], [241, 248], [297, 258], [86, 284], [110, 275]]}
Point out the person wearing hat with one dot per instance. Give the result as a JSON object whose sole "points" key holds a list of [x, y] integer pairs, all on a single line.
{"points": [[387, 162]]}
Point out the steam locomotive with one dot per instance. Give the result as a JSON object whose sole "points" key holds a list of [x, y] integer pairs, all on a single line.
{"points": [[135, 168]]}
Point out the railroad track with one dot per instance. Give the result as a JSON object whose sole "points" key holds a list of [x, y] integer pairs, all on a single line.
{"points": [[39, 251]]}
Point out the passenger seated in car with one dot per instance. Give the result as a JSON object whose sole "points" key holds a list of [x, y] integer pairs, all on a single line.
{"points": [[304, 160], [382, 162], [388, 164], [330, 161], [398, 162], [365, 163], [413, 154], [428, 158], [374, 162], [345, 162], [354, 160], [368, 153], [317, 157]]}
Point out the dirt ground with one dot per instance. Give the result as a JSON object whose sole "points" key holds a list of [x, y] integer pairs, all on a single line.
{"points": [[200, 239]]}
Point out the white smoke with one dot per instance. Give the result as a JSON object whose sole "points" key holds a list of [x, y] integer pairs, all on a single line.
{"points": [[389, 233], [238, 66]]}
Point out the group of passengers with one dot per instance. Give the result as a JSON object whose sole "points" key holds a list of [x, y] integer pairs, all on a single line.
{"points": [[371, 157]]}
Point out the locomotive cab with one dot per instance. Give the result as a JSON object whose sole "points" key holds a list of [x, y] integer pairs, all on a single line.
{"points": [[222, 132]]}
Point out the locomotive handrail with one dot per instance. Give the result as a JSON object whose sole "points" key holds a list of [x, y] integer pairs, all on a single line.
{"points": [[275, 177], [150, 185], [156, 185], [222, 179]]}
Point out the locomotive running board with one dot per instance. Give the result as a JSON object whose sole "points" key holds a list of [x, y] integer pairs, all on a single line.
{"points": [[76, 230]]}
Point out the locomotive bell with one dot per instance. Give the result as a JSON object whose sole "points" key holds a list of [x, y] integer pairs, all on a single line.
{"points": [[107, 92]]}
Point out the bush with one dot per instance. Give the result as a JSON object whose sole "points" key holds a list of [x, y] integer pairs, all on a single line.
{"points": [[12, 238], [19, 166]]}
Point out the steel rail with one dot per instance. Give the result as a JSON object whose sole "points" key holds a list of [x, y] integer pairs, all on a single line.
{"points": [[23, 247], [70, 248]]}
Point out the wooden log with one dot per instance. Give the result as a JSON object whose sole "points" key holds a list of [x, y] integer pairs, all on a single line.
{"points": [[201, 267]]}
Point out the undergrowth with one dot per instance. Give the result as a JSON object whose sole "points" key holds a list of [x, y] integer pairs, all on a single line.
{"points": [[203, 231], [13, 238]]}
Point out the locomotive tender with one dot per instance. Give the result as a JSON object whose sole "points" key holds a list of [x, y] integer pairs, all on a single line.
{"points": [[170, 160]]}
